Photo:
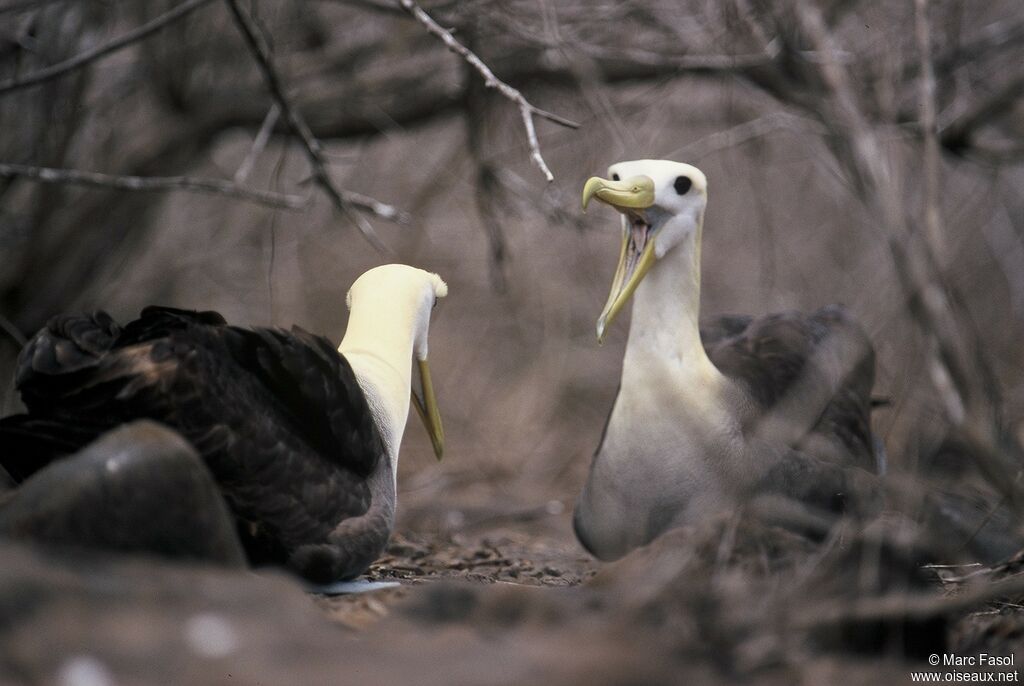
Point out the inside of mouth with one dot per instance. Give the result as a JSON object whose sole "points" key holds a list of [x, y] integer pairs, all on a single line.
{"points": [[639, 234]]}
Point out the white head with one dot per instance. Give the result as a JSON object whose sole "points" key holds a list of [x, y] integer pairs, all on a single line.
{"points": [[662, 204], [390, 320]]}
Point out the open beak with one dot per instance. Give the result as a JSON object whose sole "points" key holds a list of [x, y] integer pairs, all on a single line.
{"points": [[631, 197], [426, 408]]}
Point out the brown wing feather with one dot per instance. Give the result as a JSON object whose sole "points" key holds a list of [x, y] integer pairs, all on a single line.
{"points": [[783, 359], [277, 416]]}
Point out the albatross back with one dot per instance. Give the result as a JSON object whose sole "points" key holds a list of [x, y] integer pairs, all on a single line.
{"points": [[278, 416]]}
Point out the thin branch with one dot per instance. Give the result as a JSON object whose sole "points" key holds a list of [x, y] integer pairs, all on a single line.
{"points": [[682, 62], [384, 6], [393, 8], [82, 59], [989, 42], [631, 58], [744, 133], [381, 209], [26, 5], [997, 154], [960, 373], [929, 126], [527, 110], [344, 201], [8, 327], [153, 183], [489, 189], [258, 144], [909, 605], [957, 135]]}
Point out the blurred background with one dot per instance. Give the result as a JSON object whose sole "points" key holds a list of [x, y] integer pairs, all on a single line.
{"points": [[842, 168]]}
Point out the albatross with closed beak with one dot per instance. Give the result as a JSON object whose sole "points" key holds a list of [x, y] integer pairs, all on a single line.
{"points": [[302, 439]]}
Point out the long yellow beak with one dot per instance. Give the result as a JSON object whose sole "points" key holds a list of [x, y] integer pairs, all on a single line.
{"points": [[635, 193], [628, 275], [426, 408], [637, 255]]}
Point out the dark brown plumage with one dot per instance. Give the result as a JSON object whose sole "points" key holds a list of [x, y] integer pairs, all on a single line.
{"points": [[770, 355], [278, 417]]}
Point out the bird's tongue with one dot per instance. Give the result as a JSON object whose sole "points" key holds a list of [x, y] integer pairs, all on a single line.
{"points": [[638, 231]]}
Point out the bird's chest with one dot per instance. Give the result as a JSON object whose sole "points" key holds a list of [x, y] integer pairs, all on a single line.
{"points": [[671, 449]]}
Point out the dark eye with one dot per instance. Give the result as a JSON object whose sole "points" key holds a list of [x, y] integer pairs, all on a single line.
{"points": [[682, 184], [615, 177]]}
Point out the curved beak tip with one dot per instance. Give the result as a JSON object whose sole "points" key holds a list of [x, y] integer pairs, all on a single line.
{"points": [[590, 189]]}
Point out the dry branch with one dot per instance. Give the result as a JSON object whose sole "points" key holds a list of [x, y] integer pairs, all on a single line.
{"points": [[26, 5], [957, 135], [153, 183], [744, 133], [930, 128], [909, 605], [526, 110], [82, 59], [685, 62], [258, 144], [344, 201], [383, 6], [960, 373], [15, 334], [987, 43], [489, 189]]}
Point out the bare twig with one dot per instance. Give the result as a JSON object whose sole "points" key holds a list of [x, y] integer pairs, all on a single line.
{"points": [[489, 189], [367, 204], [376, 207], [26, 5], [384, 6], [909, 605], [684, 62], [929, 127], [745, 132], [82, 59], [527, 110], [989, 42], [343, 201], [8, 327], [614, 58], [258, 144], [960, 373], [957, 135], [1007, 248], [153, 183]]}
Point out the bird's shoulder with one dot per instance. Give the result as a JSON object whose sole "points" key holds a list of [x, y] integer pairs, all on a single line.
{"points": [[812, 370], [315, 386], [769, 353]]}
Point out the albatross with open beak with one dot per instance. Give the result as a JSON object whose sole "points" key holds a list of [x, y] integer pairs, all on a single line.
{"points": [[696, 424]]}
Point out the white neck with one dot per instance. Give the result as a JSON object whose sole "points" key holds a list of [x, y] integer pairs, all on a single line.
{"points": [[378, 345], [664, 335]]}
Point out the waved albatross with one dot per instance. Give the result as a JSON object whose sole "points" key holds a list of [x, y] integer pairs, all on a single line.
{"points": [[302, 439], [705, 418]]}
